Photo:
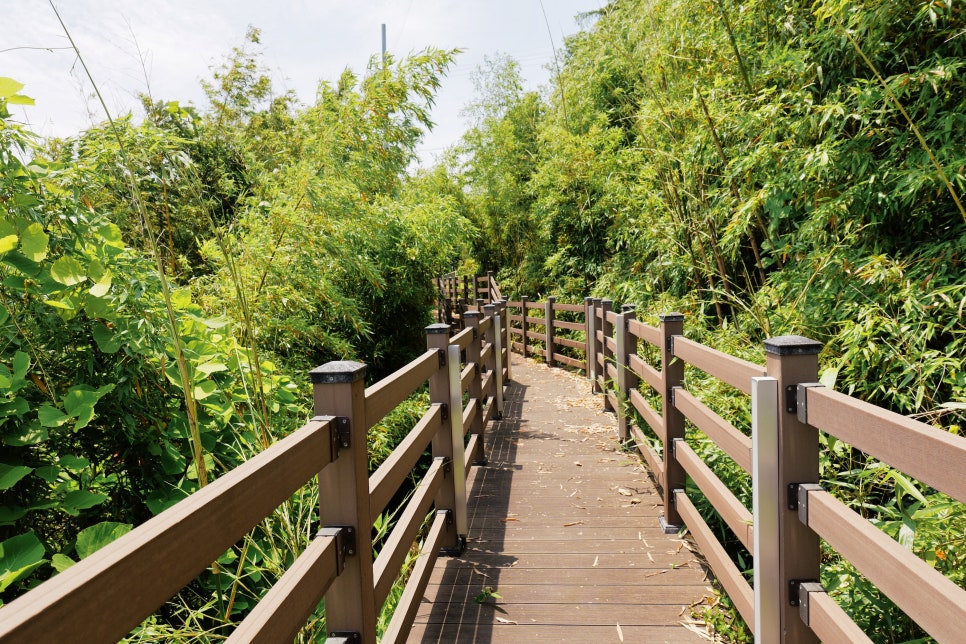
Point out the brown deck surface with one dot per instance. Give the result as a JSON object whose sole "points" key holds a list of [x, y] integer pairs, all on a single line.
{"points": [[564, 528]]}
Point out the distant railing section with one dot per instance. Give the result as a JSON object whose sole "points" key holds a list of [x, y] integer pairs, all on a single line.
{"points": [[456, 294], [791, 511], [103, 597]]}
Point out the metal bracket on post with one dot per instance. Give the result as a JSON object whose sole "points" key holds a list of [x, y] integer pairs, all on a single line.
{"points": [[801, 398], [340, 435], [805, 589], [442, 357], [459, 444], [343, 637], [796, 587], [670, 344], [802, 493], [498, 349], [345, 543]]}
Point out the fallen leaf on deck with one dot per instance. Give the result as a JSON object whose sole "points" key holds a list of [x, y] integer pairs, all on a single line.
{"points": [[620, 633], [578, 464], [624, 491], [504, 520], [567, 525], [506, 621], [596, 559]]}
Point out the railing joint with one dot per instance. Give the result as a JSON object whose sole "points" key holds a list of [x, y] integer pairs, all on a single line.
{"points": [[801, 397], [791, 399], [344, 637], [795, 588], [443, 410], [345, 543], [441, 354], [802, 499], [805, 589], [340, 434]]}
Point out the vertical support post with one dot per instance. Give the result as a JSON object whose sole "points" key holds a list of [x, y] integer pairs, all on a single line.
{"points": [[466, 287], [596, 346], [589, 326], [507, 340], [489, 287], [548, 316], [340, 390], [437, 337], [672, 375], [606, 306], [626, 378], [458, 441], [498, 353], [476, 384], [767, 501], [480, 303], [793, 360], [523, 324]]}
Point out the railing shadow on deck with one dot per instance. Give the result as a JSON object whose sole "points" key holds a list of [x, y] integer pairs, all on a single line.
{"points": [[475, 619]]}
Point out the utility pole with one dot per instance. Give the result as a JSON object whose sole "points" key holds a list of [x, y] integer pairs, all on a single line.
{"points": [[383, 45]]}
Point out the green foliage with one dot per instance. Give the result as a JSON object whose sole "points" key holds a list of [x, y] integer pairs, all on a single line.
{"points": [[768, 168]]}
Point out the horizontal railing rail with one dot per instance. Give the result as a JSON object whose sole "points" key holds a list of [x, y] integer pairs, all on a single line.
{"points": [[790, 511], [106, 595]]}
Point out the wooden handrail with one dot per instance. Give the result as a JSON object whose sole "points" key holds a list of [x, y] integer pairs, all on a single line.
{"points": [[385, 395], [134, 575], [928, 454]]}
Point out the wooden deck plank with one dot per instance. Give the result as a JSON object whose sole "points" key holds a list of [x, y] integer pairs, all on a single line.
{"points": [[563, 525]]}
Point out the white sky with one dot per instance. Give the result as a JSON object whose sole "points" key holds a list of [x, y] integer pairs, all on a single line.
{"points": [[303, 41]]}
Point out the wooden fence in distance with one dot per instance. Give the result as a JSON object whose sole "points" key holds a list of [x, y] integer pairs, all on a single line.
{"points": [[791, 511], [103, 597]]}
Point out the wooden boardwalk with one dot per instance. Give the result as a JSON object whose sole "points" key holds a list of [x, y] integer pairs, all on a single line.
{"points": [[564, 528]]}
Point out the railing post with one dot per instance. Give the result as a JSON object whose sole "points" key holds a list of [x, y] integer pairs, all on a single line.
{"points": [[476, 384], [437, 337], [548, 315], [767, 502], [672, 375], [792, 360], [489, 287], [606, 306], [589, 327], [626, 378], [340, 391], [458, 444], [496, 360], [523, 323], [507, 340], [597, 388], [466, 287]]}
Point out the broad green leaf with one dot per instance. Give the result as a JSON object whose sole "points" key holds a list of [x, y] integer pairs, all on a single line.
{"points": [[11, 513], [204, 389], [80, 400], [209, 368], [10, 474], [829, 376], [106, 339], [20, 99], [29, 433], [73, 463], [19, 556], [103, 286], [67, 271], [33, 242], [48, 473], [9, 87], [8, 243], [6, 377], [97, 536], [61, 562], [50, 416], [82, 499], [21, 362]]}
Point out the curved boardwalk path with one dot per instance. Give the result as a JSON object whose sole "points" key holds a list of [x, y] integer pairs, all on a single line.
{"points": [[564, 528]]}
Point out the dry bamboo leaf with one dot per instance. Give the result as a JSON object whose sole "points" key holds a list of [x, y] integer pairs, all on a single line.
{"points": [[507, 519], [620, 633], [624, 491], [506, 621], [655, 574], [596, 559], [567, 525], [578, 464]]}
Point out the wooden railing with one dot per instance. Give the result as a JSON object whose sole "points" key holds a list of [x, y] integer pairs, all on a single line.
{"points": [[791, 511], [459, 294], [103, 597]]}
